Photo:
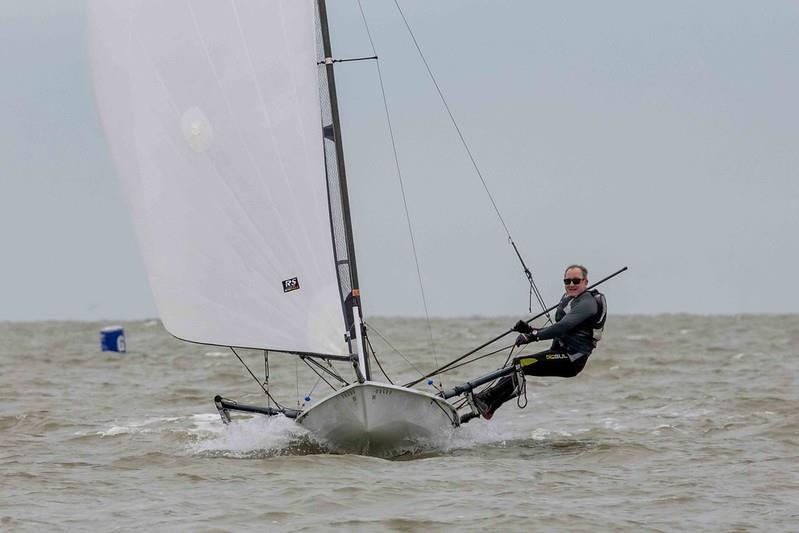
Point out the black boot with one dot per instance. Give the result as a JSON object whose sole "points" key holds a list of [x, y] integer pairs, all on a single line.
{"points": [[488, 400]]}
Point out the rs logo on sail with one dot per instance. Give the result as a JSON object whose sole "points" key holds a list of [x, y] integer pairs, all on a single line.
{"points": [[291, 285]]}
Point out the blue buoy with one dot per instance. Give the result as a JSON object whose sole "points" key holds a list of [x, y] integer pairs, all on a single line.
{"points": [[307, 398], [429, 381], [112, 339]]}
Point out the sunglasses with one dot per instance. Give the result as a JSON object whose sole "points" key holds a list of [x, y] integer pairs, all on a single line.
{"points": [[573, 281]]}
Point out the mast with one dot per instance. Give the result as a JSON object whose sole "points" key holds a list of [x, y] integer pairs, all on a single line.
{"points": [[353, 299]]}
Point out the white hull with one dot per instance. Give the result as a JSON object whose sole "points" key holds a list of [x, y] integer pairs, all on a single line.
{"points": [[379, 419]]}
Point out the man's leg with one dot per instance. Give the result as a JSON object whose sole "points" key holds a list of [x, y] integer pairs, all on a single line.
{"points": [[546, 363], [488, 400], [551, 363]]}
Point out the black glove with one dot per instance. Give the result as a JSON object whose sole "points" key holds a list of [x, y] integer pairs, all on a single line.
{"points": [[527, 338], [522, 327]]}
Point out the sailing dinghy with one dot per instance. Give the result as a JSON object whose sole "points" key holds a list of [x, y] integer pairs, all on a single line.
{"points": [[223, 122]]}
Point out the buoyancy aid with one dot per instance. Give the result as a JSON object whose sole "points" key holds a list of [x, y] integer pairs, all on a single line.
{"points": [[601, 314]]}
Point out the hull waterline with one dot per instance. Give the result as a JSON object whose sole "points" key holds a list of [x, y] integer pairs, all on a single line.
{"points": [[379, 419]]}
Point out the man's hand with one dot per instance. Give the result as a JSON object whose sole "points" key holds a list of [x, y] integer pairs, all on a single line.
{"points": [[527, 338], [522, 327]]}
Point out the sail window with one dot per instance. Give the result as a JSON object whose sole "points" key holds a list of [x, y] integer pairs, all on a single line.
{"points": [[197, 129]]}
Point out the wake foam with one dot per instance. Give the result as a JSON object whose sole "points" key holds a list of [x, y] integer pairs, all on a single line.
{"points": [[474, 434], [252, 437], [258, 437], [148, 425]]}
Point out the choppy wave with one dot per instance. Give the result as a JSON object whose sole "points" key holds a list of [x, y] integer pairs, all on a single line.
{"points": [[677, 423]]}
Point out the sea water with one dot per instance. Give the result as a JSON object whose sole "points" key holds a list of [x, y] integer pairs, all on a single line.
{"points": [[678, 423]]}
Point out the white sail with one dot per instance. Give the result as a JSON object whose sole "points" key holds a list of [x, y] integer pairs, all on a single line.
{"points": [[212, 113]]}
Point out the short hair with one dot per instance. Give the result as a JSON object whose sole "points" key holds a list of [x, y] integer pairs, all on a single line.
{"points": [[581, 267]]}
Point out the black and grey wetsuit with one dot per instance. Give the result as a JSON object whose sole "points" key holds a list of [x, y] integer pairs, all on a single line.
{"points": [[573, 330], [573, 339]]}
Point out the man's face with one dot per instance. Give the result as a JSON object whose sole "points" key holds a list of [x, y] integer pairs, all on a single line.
{"points": [[571, 275]]}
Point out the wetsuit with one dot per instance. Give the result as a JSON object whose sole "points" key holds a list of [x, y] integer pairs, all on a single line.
{"points": [[573, 341]]}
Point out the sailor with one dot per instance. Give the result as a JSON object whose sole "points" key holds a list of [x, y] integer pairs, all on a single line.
{"points": [[579, 321]]}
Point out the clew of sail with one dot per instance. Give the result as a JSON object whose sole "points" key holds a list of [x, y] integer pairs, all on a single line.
{"points": [[213, 118]]}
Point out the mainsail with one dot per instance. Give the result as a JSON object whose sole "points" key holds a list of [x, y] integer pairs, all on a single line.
{"points": [[213, 117]]}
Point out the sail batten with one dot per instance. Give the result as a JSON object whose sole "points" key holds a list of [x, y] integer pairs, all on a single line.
{"points": [[213, 118]]}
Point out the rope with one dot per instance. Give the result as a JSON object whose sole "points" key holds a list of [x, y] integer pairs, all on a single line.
{"points": [[507, 360], [522, 388], [402, 187], [533, 286]]}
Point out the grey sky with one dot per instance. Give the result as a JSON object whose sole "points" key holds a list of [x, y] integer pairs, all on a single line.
{"points": [[662, 136]]}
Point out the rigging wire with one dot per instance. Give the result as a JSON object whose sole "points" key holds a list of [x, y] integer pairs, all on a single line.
{"points": [[374, 355], [269, 396], [402, 187], [512, 347], [507, 360], [332, 373], [527, 272], [460, 403], [266, 376], [482, 357], [297, 377], [310, 392], [321, 378], [372, 328], [464, 401]]}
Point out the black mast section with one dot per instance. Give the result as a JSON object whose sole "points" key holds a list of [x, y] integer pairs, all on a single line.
{"points": [[354, 298]]}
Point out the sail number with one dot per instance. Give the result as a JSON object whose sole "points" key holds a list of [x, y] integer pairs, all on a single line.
{"points": [[291, 285]]}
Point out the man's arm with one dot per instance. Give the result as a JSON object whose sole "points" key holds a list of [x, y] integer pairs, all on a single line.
{"points": [[582, 309]]}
